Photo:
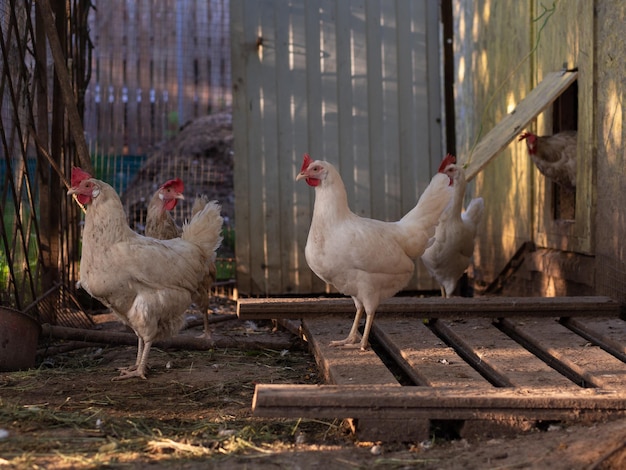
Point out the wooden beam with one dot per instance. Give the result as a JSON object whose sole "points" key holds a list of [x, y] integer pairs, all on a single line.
{"points": [[434, 307], [542, 96], [392, 402], [63, 76], [188, 342]]}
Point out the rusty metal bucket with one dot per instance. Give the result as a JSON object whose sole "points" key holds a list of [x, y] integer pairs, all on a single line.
{"points": [[19, 334]]}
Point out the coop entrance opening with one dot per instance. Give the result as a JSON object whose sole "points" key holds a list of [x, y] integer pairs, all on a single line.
{"points": [[565, 118]]}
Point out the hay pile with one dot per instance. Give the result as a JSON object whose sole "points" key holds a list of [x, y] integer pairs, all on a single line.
{"points": [[201, 154]]}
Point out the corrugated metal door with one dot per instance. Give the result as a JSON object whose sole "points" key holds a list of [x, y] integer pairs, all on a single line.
{"points": [[353, 82]]}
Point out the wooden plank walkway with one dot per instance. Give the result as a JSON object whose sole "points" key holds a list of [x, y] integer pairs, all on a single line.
{"points": [[433, 307], [483, 364]]}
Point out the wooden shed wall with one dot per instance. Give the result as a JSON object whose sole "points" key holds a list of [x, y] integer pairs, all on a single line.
{"points": [[354, 82], [610, 138], [492, 75], [502, 54]]}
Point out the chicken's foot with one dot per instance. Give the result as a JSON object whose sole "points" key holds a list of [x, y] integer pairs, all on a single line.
{"points": [[139, 368], [207, 331], [129, 374], [348, 343], [354, 339]]}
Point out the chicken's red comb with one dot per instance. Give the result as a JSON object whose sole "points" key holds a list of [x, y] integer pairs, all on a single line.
{"points": [[177, 184], [307, 161], [78, 175], [525, 135], [448, 160]]}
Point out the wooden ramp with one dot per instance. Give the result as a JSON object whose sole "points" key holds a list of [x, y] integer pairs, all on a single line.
{"points": [[474, 366]]}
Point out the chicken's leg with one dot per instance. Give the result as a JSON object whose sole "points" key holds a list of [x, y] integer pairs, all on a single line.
{"points": [[207, 331], [369, 320], [354, 338], [139, 369], [137, 360]]}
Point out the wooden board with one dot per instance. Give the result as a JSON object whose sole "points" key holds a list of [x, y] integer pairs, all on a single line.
{"points": [[432, 307], [607, 333], [382, 401], [568, 351], [342, 366], [510, 363], [542, 96], [425, 358], [489, 365]]}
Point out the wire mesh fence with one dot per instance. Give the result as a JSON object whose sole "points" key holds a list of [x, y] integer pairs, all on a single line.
{"points": [[139, 71]]}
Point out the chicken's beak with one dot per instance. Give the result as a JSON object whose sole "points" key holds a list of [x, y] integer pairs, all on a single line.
{"points": [[300, 176], [180, 196], [72, 191]]}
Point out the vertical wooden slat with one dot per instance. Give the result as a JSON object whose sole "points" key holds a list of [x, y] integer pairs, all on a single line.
{"points": [[345, 159], [310, 138], [131, 82], [142, 97], [291, 106], [118, 55], [202, 57], [330, 97], [407, 127], [245, 101], [375, 114], [390, 173], [362, 134], [266, 257], [431, 24]]}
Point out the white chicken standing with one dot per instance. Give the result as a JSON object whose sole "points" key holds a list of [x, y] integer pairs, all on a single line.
{"points": [[450, 253], [369, 260], [161, 225], [554, 156], [147, 283]]}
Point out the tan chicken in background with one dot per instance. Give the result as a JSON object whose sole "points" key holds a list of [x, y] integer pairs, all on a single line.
{"points": [[161, 225], [450, 253], [369, 260], [554, 156], [147, 283], [159, 221]]}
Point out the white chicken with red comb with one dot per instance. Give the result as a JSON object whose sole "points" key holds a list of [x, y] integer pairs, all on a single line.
{"points": [[367, 259], [147, 283], [451, 250]]}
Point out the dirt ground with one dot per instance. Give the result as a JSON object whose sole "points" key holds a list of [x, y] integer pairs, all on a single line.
{"points": [[194, 411]]}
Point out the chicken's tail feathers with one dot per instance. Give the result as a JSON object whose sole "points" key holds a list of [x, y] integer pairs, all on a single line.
{"points": [[205, 228], [424, 217], [475, 210], [433, 200], [199, 203]]}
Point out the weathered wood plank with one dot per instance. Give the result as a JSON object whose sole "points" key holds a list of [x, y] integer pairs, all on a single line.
{"points": [[390, 402], [343, 366], [608, 333], [423, 356], [568, 352], [434, 307], [542, 96], [502, 354]]}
